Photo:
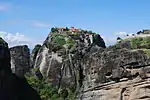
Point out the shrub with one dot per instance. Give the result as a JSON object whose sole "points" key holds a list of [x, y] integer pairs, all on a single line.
{"points": [[64, 93], [49, 92], [118, 38], [147, 51], [140, 42], [45, 90], [55, 97], [70, 42], [59, 39], [54, 29]]}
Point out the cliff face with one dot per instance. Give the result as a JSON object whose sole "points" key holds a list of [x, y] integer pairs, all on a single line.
{"points": [[60, 57], [11, 86], [116, 74], [80, 61], [20, 58]]}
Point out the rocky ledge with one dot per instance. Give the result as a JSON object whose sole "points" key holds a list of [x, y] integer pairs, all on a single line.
{"points": [[116, 74]]}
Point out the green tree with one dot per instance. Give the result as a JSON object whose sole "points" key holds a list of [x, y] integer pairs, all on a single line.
{"points": [[53, 29], [118, 38], [67, 29], [90, 32], [45, 90], [64, 93]]}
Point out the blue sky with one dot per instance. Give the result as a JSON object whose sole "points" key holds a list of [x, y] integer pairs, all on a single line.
{"points": [[29, 21]]}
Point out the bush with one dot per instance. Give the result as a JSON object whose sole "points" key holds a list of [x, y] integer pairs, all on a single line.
{"points": [[45, 90], [49, 92], [70, 42], [37, 47], [118, 38], [147, 51], [140, 42], [54, 29], [59, 39]]}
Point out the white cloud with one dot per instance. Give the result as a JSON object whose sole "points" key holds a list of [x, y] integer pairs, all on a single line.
{"points": [[5, 6], [112, 39], [40, 24], [121, 33], [109, 40], [17, 39]]}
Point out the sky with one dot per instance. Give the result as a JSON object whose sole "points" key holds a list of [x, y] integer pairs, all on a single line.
{"points": [[29, 21]]}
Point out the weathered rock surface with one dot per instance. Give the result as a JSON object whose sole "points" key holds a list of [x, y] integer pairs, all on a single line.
{"points": [[122, 44], [60, 57], [116, 74], [136, 89], [81, 61], [20, 60], [11, 86]]}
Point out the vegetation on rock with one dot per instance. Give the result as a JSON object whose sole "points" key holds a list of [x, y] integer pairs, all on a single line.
{"points": [[59, 39], [139, 42], [46, 90], [62, 51], [147, 51]]}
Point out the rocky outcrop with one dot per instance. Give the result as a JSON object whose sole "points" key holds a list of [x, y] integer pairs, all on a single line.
{"points": [[11, 86], [143, 32], [136, 89], [122, 44], [81, 61], [60, 56], [20, 56], [115, 74]]}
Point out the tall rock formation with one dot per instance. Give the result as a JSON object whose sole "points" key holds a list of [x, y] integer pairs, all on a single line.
{"points": [[11, 86], [60, 57], [80, 61], [20, 60]]}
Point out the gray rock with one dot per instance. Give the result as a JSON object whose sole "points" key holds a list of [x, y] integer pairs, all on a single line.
{"points": [[112, 66], [61, 63], [20, 56], [96, 72]]}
